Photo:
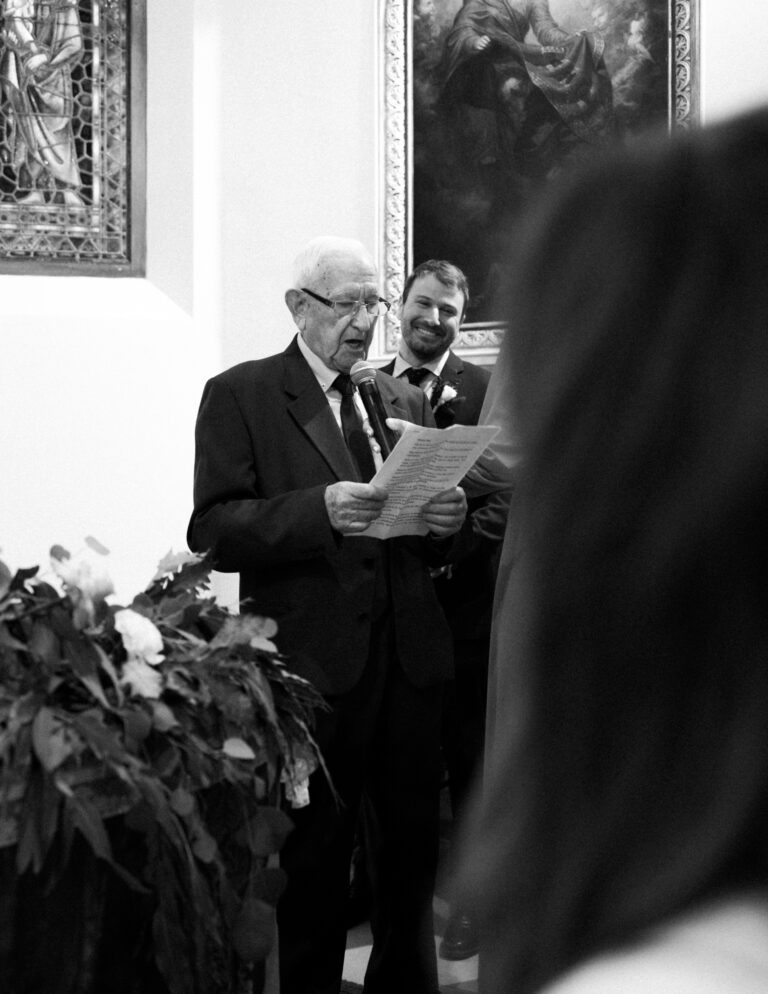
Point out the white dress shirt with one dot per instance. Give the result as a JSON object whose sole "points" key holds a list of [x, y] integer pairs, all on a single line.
{"points": [[434, 367]]}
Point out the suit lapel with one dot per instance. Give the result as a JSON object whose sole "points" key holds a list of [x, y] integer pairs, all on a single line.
{"points": [[308, 406], [453, 368], [395, 408]]}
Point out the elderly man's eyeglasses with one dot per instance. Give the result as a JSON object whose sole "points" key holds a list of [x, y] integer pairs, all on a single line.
{"points": [[375, 306]]}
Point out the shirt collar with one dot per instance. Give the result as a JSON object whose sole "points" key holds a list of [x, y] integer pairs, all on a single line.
{"points": [[323, 374], [435, 366]]}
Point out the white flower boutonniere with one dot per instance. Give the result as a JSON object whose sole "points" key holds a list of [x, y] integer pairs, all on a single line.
{"points": [[447, 394], [444, 396]]}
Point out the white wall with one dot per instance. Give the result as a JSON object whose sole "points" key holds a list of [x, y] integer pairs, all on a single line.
{"points": [[734, 68], [262, 132]]}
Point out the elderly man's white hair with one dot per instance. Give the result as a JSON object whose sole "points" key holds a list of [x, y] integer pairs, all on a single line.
{"points": [[317, 250]]}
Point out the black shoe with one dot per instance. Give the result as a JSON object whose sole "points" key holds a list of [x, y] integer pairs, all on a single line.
{"points": [[460, 939]]}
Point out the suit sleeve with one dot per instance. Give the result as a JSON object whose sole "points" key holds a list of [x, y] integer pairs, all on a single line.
{"points": [[231, 520]]}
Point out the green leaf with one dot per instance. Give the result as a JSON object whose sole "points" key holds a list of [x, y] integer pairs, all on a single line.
{"points": [[85, 661], [140, 818], [49, 739], [155, 795], [163, 718], [28, 847], [46, 591], [43, 643], [22, 575], [104, 742], [173, 561], [182, 802], [5, 579], [268, 884], [193, 575], [172, 608], [95, 544], [61, 622], [8, 640], [204, 846], [253, 933], [109, 668], [270, 828], [83, 656], [87, 820], [37, 821], [142, 604], [262, 691], [238, 749], [137, 723]]}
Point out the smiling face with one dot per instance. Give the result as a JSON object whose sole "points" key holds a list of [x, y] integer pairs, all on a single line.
{"points": [[339, 342], [430, 318]]}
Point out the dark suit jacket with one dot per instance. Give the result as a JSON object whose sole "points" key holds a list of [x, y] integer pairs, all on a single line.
{"points": [[267, 446], [467, 597], [470, 383]]}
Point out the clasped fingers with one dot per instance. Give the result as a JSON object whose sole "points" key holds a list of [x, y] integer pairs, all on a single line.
{"points": [[353, 506], [444, 513]]}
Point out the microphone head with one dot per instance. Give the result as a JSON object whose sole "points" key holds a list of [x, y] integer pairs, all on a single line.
{"points": [[362, 372]]}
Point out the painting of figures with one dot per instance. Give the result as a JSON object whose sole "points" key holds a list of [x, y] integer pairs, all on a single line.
{"points": [[507, 94]]}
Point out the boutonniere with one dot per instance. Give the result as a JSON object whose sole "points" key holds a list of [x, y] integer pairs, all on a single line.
{"points": [[443, 393], [444, 396]]}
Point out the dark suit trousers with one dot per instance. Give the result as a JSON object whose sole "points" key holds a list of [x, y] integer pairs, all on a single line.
{"points": [[381, 738], [464, 720]]}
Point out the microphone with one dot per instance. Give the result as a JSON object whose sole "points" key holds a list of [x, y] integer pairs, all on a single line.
{"points": [[363, 375]]}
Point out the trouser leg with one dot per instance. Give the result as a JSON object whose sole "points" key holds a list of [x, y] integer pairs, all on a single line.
{"points": [[403, 787], [312, 911]]}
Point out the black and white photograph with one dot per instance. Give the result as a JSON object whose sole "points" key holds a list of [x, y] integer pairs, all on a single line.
{"points": [[383, 461]]}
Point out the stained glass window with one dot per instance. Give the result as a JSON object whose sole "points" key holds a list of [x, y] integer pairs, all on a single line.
{"points": [[71, 136]]}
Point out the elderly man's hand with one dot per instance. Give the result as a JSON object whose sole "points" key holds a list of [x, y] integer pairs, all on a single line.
{"points": [[444, 514], [352, 506]]}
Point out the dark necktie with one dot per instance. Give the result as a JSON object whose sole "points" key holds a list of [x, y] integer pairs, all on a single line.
{"points": [[416, 376], [352, 427]]}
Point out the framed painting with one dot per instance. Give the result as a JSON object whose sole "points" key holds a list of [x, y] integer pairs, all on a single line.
{"points": [[487, 100], [72, 137]]}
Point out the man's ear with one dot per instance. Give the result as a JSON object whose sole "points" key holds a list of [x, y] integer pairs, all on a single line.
{"points": [[297, 305]]}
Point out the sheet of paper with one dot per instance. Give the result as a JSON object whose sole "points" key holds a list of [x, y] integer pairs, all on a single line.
{"points": [[424, 462]]}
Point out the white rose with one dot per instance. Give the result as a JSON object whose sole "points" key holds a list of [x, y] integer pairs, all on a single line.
{"points": [[141, 679], [447, 395], [141, 638]]}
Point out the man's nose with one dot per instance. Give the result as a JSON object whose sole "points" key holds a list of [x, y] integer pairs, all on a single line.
{"points": [[361, 318]]}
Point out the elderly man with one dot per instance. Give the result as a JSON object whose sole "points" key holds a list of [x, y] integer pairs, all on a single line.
{"points": [[282, 499], [434, 302]]}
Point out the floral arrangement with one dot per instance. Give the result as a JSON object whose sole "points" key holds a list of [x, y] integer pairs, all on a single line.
{"points": [[177, 716]]}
